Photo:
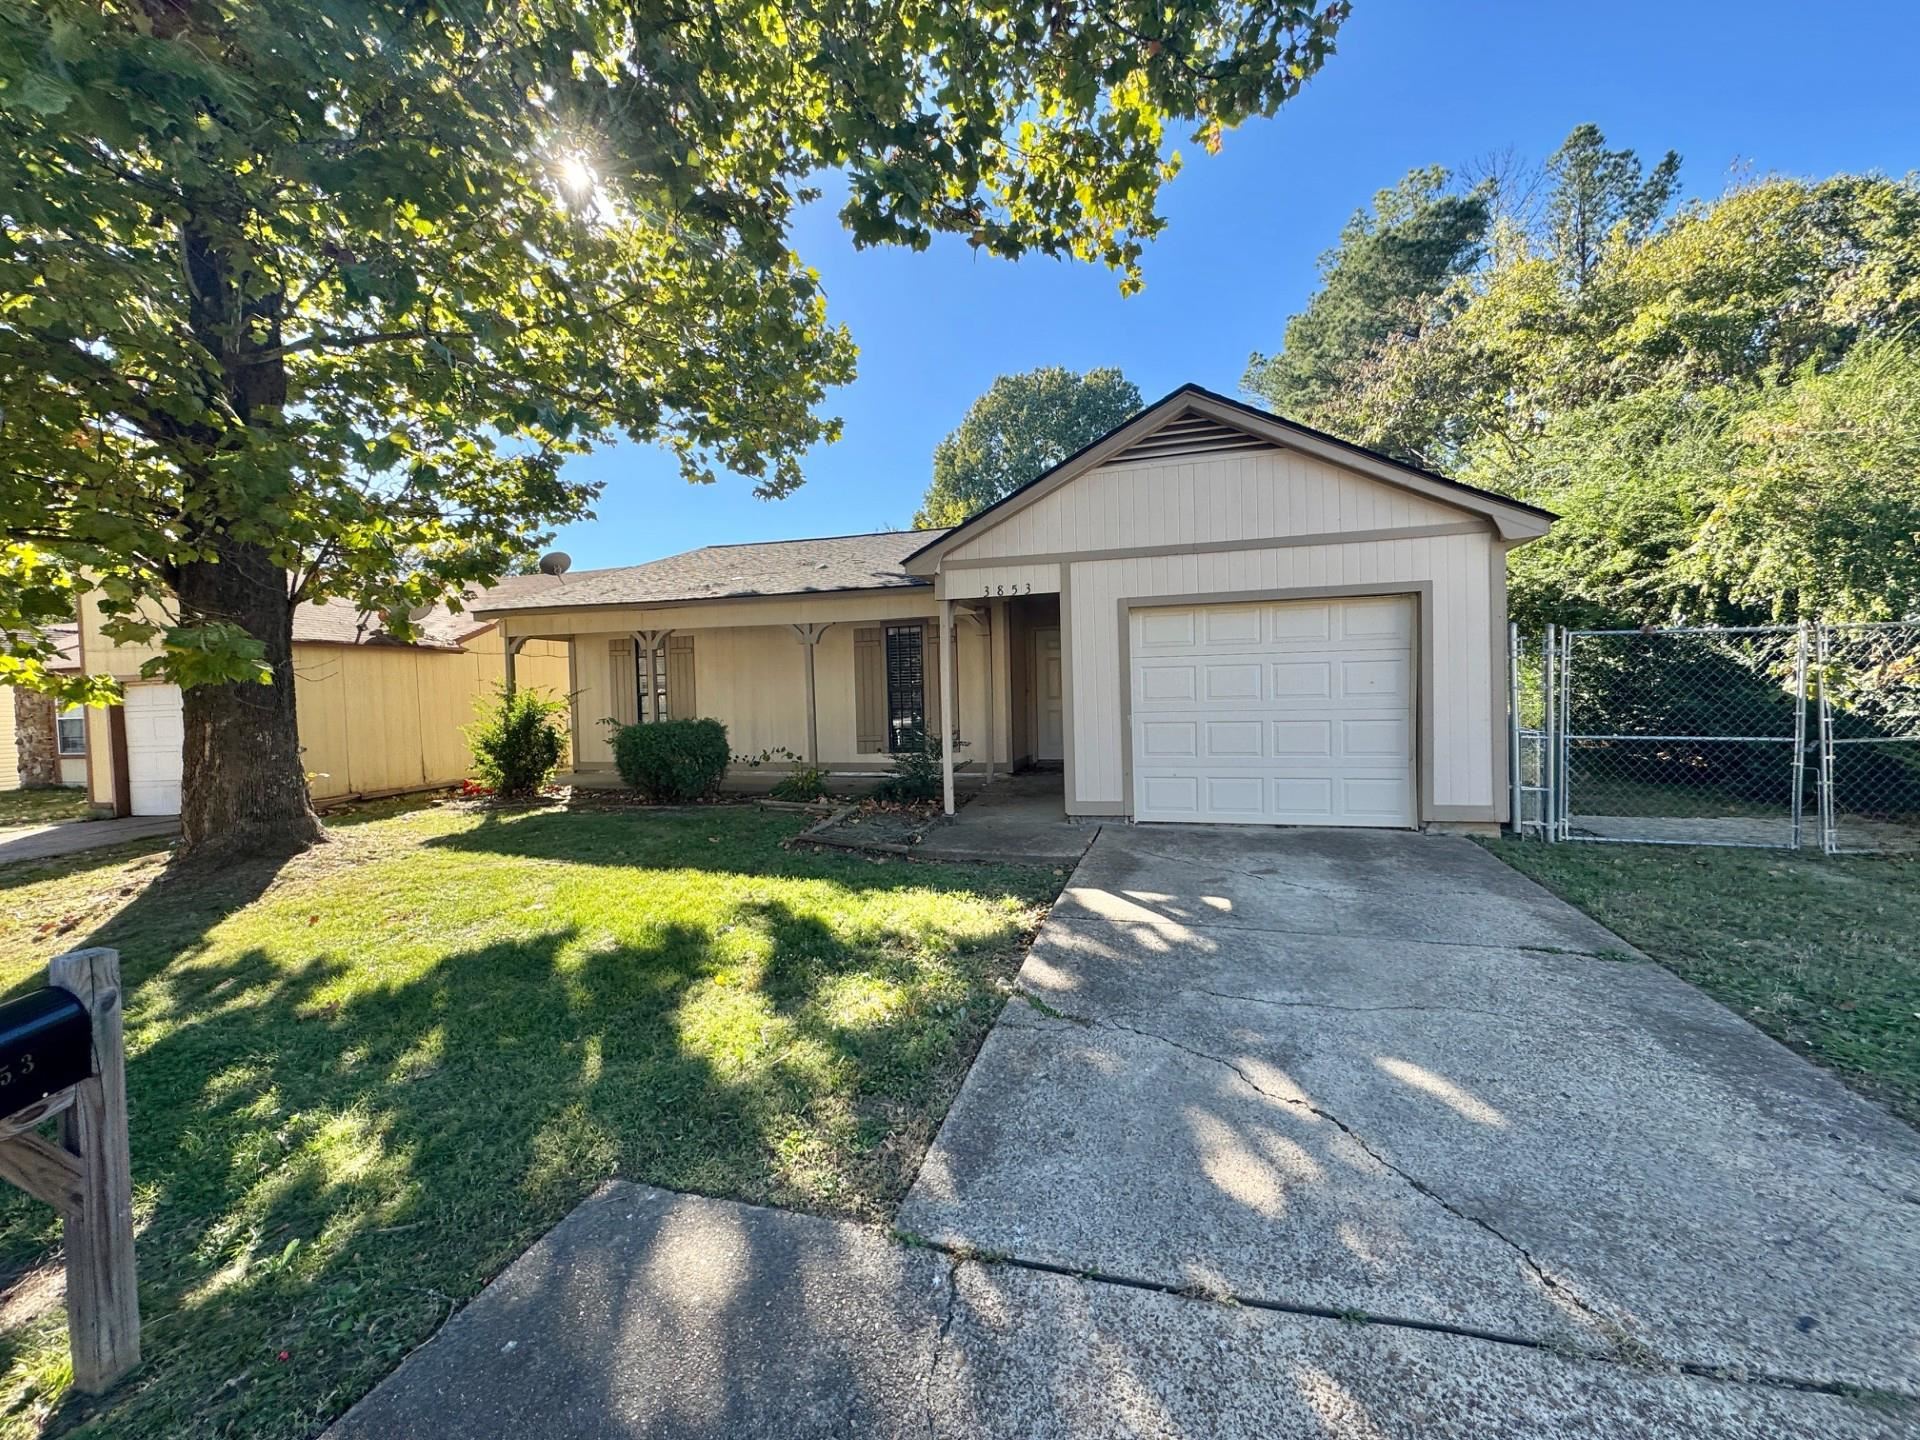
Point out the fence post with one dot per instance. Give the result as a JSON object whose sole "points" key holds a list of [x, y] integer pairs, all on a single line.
{"points": [[1515, 813], [1549, 746], [1829, 825], [1799, 735]]}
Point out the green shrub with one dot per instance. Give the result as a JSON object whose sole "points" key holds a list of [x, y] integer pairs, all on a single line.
{"points": [[804, 782], [518, 741], [672, 761], [917, 771]]}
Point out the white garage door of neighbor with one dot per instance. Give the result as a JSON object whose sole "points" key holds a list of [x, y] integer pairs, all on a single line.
{"points": [[1287, 713], [155, 738]]}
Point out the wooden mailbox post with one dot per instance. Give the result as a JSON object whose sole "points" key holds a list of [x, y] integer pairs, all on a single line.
{"points": [[62, 1056]]}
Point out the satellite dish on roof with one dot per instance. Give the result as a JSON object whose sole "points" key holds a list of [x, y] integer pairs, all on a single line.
{"points": [[555, 562], [419, 613]]}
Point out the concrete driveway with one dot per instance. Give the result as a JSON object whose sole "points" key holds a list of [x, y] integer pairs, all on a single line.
{"points": [[1381, 1074], [1329, 1076]]}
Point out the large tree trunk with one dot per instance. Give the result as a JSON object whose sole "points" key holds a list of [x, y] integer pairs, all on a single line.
{"points": [[244, 789]]}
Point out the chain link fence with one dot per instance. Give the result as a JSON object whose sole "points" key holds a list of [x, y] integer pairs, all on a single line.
{"points": [[1775, 736], [1869, 737]]}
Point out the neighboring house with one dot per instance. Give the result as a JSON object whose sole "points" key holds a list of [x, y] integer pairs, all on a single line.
{"points": [[1210, 614], [377, 717], [41, 743]]}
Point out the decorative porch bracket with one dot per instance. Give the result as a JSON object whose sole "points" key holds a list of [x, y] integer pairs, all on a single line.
{"points": [[646, 643], [809, 636], [513, 648]]}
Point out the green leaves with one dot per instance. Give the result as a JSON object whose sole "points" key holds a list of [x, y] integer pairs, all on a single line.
{"points": [[1024, 425], [351, 280]]}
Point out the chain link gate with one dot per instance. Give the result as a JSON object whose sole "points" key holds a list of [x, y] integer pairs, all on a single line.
{"points": [[1732, 736], [1869, 736]]}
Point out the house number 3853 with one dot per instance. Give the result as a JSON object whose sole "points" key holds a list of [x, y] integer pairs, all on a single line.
{"points": [[1026, 589]]}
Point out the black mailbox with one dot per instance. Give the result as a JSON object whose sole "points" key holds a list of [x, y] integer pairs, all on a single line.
{"points": [[46, 1044]]}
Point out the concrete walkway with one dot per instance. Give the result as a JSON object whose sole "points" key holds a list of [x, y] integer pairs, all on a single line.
{"points": [[1329, 1077], [651, 1314], [1018, 818], [72, 837]]}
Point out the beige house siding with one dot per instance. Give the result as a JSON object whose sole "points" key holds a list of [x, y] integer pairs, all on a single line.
{"points": [[752, 678], [373, 719], [1202, 500], [1246, 523]]}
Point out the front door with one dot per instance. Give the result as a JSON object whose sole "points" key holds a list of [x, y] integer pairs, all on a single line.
{"points": [[1049, 691]]}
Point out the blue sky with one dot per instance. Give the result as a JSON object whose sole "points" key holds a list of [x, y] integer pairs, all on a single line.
{"points": [[1738, 85]]}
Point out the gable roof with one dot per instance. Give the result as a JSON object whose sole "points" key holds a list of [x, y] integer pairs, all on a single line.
{"points": [[1193, 420], [341, 622], [721, 572]]}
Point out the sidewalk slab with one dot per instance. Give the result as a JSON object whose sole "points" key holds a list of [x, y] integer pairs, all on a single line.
{"points": [[651, 1314]]}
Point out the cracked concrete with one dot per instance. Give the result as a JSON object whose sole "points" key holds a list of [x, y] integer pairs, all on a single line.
{"points": [[647, 1313], [1414, 1084]]}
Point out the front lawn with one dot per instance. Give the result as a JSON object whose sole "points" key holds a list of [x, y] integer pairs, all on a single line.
{"points": [[43, 805], [1817, 951], [363, 1082]]}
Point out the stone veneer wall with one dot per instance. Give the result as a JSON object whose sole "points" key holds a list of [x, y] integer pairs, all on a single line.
{"points": [[35, 738]]}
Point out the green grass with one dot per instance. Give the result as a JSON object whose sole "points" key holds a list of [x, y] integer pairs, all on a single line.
{"points": [[43, 805], [1817, 951], [363, 1082]]}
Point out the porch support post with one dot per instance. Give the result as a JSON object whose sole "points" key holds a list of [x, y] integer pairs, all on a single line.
{"points": [[809, 636], [982, 619], [512, 650], [946, 704]]}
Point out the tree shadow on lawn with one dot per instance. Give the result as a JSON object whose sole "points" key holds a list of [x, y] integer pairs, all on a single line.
{"points": [[327, 1165]]}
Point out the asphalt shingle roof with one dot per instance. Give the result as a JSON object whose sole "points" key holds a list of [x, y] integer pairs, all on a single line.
{"points": [[719, 572], [341, 622]]}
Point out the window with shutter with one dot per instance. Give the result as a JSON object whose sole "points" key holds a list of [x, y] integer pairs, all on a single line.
{"points": [[624, 690], [906, 685]]}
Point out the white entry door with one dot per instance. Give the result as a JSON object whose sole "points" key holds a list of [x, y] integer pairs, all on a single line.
{"points": [[1294, 713], [155, 738], [1049, 691]]}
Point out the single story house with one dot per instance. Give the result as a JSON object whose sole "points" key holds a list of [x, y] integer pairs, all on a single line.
{"points": [[377, 716], [41, 743], [1209, 614]]}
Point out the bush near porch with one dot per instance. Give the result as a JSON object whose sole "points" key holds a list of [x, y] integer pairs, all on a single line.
{"points": [[363, 1082]]}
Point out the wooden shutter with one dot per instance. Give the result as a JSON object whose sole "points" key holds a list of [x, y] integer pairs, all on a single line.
{"points": [[869, 691], [623, 684], [934, 667], [681, 704]]}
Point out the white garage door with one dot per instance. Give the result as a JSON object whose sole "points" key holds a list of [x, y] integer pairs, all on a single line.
{"points": [[155, 738], [1295, 713]]}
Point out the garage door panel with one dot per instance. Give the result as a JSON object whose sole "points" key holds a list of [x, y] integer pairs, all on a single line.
{"points": [[1167, 627], [1177, 682], [1374, 677], [1231, 625], [1178, 739], [1300, 622], [1235, 739], [1242, 796], [1386, 738], [1230, 682], [1301, 714], [1302, 739], [1303, 680], [1173, 795]]}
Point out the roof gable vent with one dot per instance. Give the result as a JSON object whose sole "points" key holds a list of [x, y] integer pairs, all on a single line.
{"points": [[1190, 435]]}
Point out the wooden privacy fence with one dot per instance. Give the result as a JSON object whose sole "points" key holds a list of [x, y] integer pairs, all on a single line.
{"points": [[378, 719], [63, 1059]]}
